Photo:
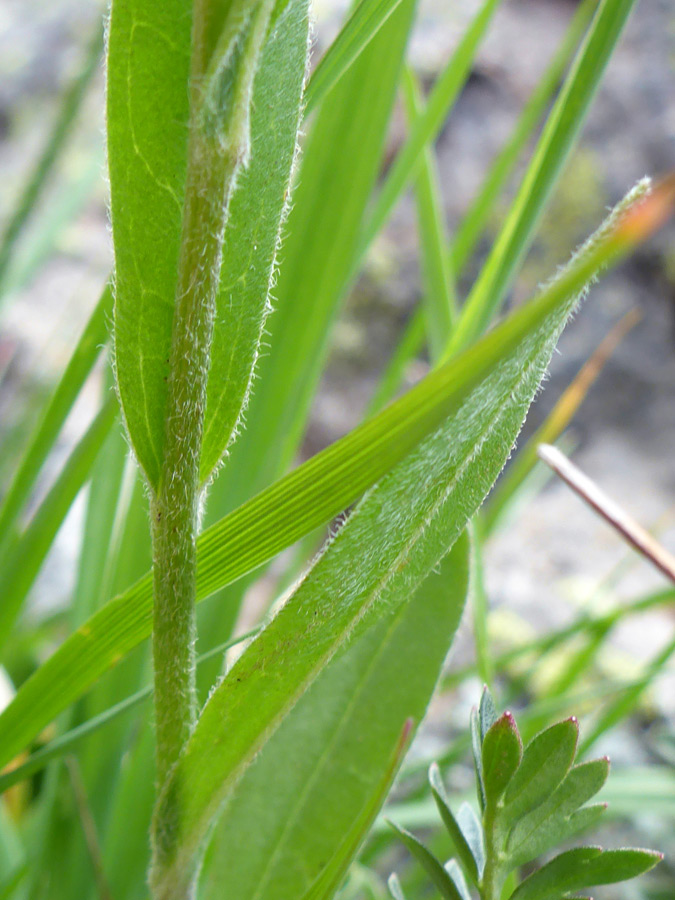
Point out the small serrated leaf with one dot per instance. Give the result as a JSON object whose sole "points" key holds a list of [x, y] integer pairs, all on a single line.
{"points": [[487, 714], [431, 865], [543, 828], [546, 760], [502, 753], [464, 851], [454, 871], [584, 867], [476, 744]]}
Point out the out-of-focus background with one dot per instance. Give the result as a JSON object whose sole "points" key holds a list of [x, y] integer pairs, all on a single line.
{"points": [[554, 557]]}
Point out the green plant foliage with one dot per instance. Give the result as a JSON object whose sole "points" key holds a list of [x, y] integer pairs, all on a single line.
{"points": [[534, 801], [273, 790], [347, 723], [149, 45]]}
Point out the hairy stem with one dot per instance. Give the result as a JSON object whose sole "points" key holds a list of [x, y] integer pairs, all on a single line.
{"points": [[218, 145]]}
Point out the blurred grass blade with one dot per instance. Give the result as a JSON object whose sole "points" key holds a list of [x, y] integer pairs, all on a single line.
{"points": [[313, 493], [439, 103], [475, 221], [71, 103], [22, 558], [67, 742], [406, 350], [357, 32], [555, 423], [80, 365], [439, 292], [558, 138], [349, 721], [628, 699]]}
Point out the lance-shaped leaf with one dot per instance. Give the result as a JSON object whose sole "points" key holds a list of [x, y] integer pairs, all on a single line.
{"points": [[502, 752], [546, 761], [347, 724], [252, 234], [313, 493], [399, 532], [584, 867], [541, 829], [147, 114], [442, 881], [468, 843]]}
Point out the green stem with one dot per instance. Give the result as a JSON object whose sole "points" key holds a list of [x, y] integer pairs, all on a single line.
{"points": [[493, 875], [218, 145]]}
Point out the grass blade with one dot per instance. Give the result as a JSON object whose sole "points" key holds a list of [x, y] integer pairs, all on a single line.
{"points": [[474, 222], [428, 125], [80, 365], [71, 104], [561, 130], [23, 558], [360, 28]]}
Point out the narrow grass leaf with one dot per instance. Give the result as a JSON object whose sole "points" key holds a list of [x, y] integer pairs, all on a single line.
{"points": [[474, 222], [23, 557], [546, 761], [584, 867], [79, 366], [69, 108], [439, 294], [443, 95], [357, 32], [557, 139], [307, 497]]}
